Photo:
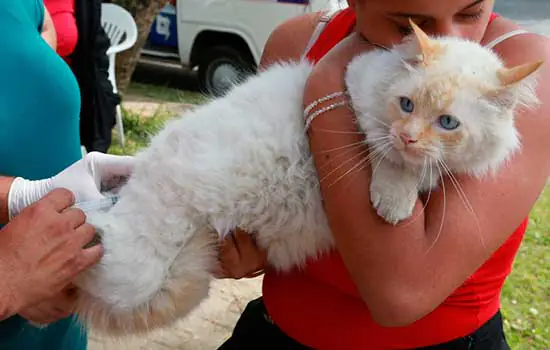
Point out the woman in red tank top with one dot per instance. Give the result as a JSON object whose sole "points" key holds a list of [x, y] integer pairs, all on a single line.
{"points": [[380, 291]]}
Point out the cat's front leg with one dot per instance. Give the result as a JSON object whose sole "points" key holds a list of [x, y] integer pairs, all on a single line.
{"points": [[393, 191]]}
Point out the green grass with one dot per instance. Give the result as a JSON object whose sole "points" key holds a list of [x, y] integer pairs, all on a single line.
{"points": [[526, 294], [165, 94], [138, 131]]}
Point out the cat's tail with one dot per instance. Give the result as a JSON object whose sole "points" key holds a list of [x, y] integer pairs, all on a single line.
{"points": [[141, 284]]}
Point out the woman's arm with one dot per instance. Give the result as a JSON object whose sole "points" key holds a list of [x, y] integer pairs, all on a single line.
{"points": [[289, 40], [48, 30], [84, 178], [404, 272]]}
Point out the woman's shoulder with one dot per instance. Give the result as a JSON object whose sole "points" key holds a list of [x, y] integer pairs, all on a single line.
{"points": [[532, 123], [525, 46], [290, 38]]}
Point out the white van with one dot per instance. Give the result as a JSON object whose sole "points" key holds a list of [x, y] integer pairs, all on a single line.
{"points": [[223, 39]]}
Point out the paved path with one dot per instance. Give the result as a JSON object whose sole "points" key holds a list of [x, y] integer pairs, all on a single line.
{"points": [[149, 108], [204, 329]]}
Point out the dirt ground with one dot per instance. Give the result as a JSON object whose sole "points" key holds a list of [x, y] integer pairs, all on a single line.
{"points": [[205, 329]]}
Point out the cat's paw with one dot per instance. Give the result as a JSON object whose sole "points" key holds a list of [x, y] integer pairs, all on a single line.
{"points": [[392, 203]]}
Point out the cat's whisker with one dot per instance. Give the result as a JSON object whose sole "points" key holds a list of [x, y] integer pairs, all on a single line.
{"points": [[462, 195], [366, 160], [370, 158], [356, 144], [362, 153], [370, 116], [458, 188], [351, 145], [381, 151], [339, 156], [423, 174], [381, 159], [385, 136], [378, 139], [355, 170], [371, 155], [431, 182], [380, 148], [443, 210], [340, 132]]}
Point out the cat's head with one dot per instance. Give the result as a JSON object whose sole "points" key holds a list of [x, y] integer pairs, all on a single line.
{"points": [[447, 99]]}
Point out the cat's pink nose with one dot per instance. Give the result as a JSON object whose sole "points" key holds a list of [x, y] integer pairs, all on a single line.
{"points": [[406, 138]]}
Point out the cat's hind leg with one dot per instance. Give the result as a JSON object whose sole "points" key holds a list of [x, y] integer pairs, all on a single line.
{"points": [[138, 287]]}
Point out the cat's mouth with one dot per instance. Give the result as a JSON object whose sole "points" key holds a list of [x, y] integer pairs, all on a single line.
{"points": [[411, 153]]}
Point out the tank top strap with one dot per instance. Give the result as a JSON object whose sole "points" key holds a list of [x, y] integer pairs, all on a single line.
{"points": [[506, 36], [321, 24], [329, 33]]}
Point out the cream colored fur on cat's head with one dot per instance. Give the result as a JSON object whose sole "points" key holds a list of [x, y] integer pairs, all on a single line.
{"points": [[439, 84]]}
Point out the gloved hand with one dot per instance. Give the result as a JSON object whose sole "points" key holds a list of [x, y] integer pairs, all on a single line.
{"points": [[87, 178]]}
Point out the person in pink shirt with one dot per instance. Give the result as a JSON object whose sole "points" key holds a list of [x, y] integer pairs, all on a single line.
{"points": [[82, 43], [63, 16]]}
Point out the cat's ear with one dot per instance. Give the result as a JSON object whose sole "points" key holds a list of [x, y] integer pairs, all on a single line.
{"points": [[426, 48], [517, 86], [511, 76]]}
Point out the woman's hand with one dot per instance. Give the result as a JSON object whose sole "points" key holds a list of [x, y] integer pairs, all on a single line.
{"points": [[52, 310], [239, 257]]}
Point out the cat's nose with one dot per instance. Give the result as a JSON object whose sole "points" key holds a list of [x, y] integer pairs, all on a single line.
{"points": [[406, 138]]}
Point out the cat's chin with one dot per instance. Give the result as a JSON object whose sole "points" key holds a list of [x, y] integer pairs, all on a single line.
{"points": [[394, 156], [413, 157]]}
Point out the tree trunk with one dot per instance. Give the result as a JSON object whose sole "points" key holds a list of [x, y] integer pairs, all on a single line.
{"points": [[144, 13]]}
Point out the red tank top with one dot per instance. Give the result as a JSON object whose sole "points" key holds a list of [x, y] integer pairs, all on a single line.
{"points": [[320, 307]]}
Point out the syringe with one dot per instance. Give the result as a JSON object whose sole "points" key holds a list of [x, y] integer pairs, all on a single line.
{"points": [[97, 204]]}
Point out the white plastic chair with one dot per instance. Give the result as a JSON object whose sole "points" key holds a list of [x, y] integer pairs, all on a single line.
{"points": [[120, 27]]}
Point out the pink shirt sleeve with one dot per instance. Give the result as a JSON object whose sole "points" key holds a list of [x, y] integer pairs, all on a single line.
{"points": [[62, 13]]}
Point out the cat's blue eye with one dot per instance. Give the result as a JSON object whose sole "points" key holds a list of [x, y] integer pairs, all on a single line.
{"points": [[406, 104], [448, 122]]}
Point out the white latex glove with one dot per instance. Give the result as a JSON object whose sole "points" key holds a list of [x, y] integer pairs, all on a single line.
{"points": [[87, 178]]}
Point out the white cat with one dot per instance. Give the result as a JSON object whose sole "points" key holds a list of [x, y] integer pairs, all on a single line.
{"points": [[243, 161]]}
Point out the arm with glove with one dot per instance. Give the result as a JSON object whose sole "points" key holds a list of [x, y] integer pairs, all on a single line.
{"points": [[87, 179], [44, 245]]}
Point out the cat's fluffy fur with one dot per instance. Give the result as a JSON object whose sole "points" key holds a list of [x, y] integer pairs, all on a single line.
{"points": [[243, 161]]}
